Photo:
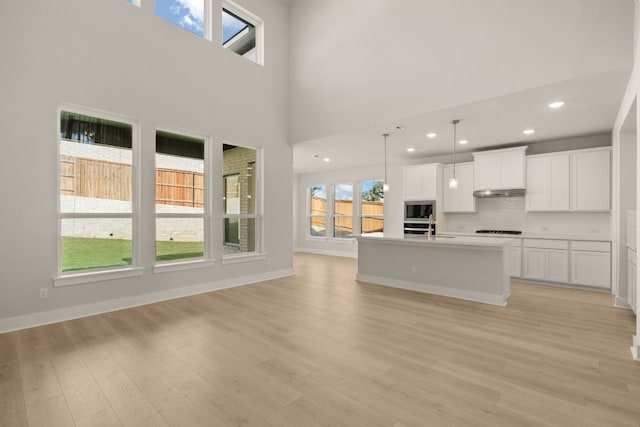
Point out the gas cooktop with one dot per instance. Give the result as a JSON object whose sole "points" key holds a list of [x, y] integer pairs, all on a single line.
{"points": [[499, 231]]}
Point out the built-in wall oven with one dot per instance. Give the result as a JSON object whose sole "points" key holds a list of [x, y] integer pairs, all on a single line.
{"points": [[416, 217]]}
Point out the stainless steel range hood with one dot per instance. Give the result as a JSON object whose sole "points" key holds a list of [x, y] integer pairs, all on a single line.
{"points": [[515, 192]]}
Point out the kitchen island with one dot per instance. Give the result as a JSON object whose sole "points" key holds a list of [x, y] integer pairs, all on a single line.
{"points": [[464, 267]]}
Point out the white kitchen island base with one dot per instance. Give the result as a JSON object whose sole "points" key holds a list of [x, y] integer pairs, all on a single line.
{"points": [[474, 269]]}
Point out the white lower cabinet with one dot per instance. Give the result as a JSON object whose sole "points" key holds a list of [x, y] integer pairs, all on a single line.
{"points": [[515, 259], [546, 260], [632, 278], [591, 264]]}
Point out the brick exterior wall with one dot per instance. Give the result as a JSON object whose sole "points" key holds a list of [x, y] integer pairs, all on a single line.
{"points": [[242, 162]]}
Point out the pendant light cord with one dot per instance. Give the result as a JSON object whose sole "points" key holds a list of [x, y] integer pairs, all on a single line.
{"points": [[385, 156], [454, 122]]}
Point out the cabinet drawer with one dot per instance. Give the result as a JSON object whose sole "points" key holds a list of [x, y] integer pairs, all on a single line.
{"points": [[580, 245], [546, 244]]}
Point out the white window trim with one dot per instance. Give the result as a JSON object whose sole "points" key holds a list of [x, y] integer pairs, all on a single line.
{"points": [[207, 259], [309, 216], [360, 200], [117, 272], [259, 207], [252, 19]]}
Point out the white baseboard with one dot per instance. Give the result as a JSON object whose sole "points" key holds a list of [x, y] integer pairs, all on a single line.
{"points": [[622, 303], [327, 252], [485, 298], [69, 313]]}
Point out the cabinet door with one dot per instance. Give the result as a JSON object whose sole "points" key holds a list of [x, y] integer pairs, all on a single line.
{"points": [[515, 261], [459, 199], [512, 170], [591, 181], [557, 265], [559, 182], [591, 268], [534, 263], [538, 183], [412, 185], [486, 171]]}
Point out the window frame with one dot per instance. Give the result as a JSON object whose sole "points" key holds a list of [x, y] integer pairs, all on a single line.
{"points": [[258, 215], [252, 19], [361, 200], [354, 212], [326, 214], [74, 277], [207, 258]]}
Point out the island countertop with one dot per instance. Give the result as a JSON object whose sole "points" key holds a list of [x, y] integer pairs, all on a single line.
{"points": [[448, 240]]}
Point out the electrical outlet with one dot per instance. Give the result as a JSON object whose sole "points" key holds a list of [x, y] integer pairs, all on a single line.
{"points": [[414, 268], [44, 293]]}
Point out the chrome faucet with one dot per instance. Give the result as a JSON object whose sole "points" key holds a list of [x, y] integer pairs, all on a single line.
{"points": [[429, 231]]}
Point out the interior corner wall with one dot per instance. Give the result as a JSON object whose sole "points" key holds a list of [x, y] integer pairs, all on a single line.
{"points": [[630, 96], [119, 58]]}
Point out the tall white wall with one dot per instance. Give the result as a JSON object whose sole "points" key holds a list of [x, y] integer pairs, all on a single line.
{"points": [[116, 57], [619, 137]]}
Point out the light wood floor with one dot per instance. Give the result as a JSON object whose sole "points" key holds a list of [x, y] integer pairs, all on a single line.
{"points": [[320, 349]]}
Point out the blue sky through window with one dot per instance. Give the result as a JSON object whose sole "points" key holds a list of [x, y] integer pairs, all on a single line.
{"points": [[188, 14], [344, 192], [231, 25]]}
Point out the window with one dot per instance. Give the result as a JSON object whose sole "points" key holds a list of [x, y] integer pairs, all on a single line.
{"points": [[187, 14], [241, 199], [318, 211], [241, 32], [180, 196], [96, 192], [343, 211], [372, 207]]}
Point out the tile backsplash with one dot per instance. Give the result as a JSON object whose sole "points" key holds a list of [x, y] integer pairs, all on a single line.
{"points": [[508, 213]]}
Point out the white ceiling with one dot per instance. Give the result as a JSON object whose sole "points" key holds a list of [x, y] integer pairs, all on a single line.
{"points": [[495, 65]]}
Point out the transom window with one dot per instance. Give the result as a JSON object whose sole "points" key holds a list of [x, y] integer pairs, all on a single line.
{"points": [[187, 14], [241, 32]]}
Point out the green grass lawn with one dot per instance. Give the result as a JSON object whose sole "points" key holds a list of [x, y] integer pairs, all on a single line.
{"points": [[80, 253]]}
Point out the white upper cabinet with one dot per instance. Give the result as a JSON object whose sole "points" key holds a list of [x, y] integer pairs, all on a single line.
{"points": [[421, 182], [499, 169], [577, 180], [548, 182], [459, 199], [591, 180]]}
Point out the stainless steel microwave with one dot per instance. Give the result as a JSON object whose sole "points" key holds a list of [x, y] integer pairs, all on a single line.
{"points": [[419, 210]]}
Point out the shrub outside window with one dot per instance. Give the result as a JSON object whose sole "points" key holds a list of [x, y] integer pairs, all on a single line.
{"points": [[372, 207], [180, 196], [96, 192]]}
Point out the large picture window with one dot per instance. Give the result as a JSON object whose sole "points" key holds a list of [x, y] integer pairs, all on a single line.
{"points": [[180, 196], [318, 211], [96, 192], [343, 210], [241, 168], [372, 207]]}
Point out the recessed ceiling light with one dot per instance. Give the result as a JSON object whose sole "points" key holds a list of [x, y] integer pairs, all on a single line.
{"points": [[432, 135], [463, 141], [556, 104], [411, 149], [529, 131], [326, 159]]}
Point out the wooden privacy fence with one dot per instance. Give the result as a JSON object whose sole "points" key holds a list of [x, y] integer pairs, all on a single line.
{"points": [[109, 180], [344, 225]]}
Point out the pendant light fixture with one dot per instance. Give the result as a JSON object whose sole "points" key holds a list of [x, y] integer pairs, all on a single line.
{"points": [[453, 182], [385, 185]]}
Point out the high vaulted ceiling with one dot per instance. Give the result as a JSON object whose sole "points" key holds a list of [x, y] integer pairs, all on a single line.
{"points": [[360, 67]]}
